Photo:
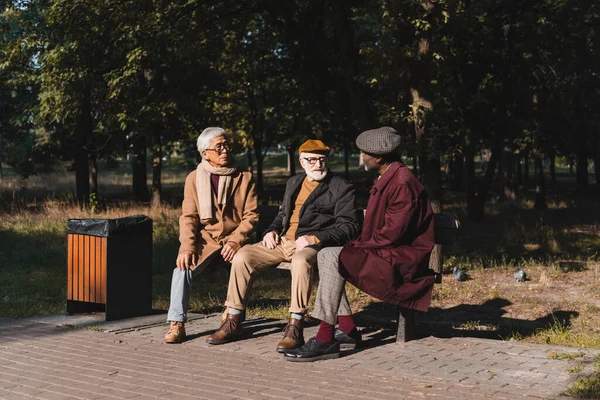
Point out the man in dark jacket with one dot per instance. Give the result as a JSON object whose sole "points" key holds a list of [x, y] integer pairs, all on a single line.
{"points": [[389, 260], [317, 211]]}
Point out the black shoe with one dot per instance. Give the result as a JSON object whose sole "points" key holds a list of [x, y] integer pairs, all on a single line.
{"points": [[349, 341], [314, 350]]}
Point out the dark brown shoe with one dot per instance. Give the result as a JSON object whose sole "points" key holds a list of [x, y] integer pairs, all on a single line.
{"points": [[293, 336], [230, 330]]}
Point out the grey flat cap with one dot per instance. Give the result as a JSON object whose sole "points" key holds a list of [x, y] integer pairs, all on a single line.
{"points": [[384, 140]]}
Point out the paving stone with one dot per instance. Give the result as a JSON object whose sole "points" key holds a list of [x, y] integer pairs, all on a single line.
{"points": [[132, 363]]}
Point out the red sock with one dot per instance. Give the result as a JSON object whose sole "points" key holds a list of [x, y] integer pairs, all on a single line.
{"points": [[346, 323], [325, 333]]}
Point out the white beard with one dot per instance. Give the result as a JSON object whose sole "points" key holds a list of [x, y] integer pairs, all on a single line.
{"points": [[316, 175]]}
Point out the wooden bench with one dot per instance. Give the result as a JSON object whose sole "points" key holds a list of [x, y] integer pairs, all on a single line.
{"points": [[446, 225]]}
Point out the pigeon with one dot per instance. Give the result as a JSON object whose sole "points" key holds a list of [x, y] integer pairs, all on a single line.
{"points": [[520, 275], [459, 274]]}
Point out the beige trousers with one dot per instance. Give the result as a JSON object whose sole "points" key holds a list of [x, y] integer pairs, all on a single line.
{"points": [[254, 258]]}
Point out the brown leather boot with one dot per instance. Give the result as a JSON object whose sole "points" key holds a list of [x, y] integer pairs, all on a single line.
{"points": [[224, 315], [230, 330], [293, 336], [176, 333]]}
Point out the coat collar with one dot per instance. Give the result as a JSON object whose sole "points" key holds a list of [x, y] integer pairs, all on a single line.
{"points": [[384, 179]]}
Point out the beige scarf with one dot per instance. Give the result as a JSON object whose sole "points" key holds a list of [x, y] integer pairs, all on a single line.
{"points": [[203, 187]]}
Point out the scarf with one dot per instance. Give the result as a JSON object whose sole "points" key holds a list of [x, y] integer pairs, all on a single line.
{"points": [[203, 186]]}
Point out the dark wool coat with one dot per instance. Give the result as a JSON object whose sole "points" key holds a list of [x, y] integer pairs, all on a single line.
{"points": [[390, 259], [328, 213]]}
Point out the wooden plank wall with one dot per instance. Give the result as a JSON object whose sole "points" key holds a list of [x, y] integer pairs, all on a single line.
{"points": [[86, 268]]}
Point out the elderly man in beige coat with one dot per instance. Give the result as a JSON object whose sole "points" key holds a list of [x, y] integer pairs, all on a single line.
{"points": [[219, 213]]}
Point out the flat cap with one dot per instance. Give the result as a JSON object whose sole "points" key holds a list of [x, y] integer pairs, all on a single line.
{"points": [[312, 145], [384, 140]]}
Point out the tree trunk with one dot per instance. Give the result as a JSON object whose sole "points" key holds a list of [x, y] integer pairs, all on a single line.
{"points": [[94, 165], [581, 168], [2, 152], [83, 130], [501, 174], [477, 191], [249, 158], [415, 163], [139, 175], [597, 160], [259, 165], [540, 184], [449, 170], [431, 171], [456, 165], [429, 158], [431, 176], [474, 209], [518, 171], [157, 171], [552, 156], [430, 168], [571, 161], [346, 162], [526, 166], [508, 187], [291, 160]]}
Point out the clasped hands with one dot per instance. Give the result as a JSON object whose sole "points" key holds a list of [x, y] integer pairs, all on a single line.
{"points": [[271, 240], [187, 259]]}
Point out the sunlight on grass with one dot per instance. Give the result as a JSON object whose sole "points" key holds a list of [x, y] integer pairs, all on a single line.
{"points": [[477, 326], [575, 369], [553, 355], [559, 334], [585, 388]]}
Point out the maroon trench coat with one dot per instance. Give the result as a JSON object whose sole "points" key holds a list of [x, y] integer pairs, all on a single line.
{"points": [[390, 259]]}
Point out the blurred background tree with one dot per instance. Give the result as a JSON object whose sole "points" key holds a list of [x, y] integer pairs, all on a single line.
{"points": [[509, 83]]}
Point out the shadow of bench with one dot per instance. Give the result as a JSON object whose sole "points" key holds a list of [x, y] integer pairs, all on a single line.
{"points": [[446, 227]]}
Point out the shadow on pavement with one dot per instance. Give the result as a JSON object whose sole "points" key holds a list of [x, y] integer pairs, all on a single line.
{"points": [[485, 321]]}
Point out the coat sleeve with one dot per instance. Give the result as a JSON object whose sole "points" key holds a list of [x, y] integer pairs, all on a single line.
{"points": [[249, 218], [346, 226], [399, 212], [189, 221]]}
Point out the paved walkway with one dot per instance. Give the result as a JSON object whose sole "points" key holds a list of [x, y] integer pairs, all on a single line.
{"points": [[46, 359]]}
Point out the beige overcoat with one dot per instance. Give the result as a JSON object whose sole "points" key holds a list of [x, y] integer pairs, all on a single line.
{"points": [[234, 223]]}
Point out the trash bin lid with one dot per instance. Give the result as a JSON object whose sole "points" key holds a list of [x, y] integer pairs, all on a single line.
{"points": [[109, 227]]}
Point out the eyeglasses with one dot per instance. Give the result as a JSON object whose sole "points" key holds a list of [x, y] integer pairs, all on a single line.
{"points": [[313, 160], [219, 148]]}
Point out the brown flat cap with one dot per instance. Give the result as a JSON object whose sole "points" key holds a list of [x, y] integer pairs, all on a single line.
{"points": [[312, 145], [384, 140]]}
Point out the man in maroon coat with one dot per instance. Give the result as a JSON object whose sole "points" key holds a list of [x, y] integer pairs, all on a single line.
{"points": [[390, 259]]}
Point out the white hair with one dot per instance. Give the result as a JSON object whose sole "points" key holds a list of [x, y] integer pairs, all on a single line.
{"points": [[207, 136], [312, 175]]}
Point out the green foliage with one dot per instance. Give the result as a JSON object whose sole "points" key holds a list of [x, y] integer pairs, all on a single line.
{"points": [[564, 356], [94, 204], [97, 79]]}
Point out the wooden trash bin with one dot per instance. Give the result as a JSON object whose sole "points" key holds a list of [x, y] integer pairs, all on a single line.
{"points": [[109, 266]]}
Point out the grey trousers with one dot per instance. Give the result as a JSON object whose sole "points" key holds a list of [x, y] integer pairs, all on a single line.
{"points": [[331, 299], [181, 286]]}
